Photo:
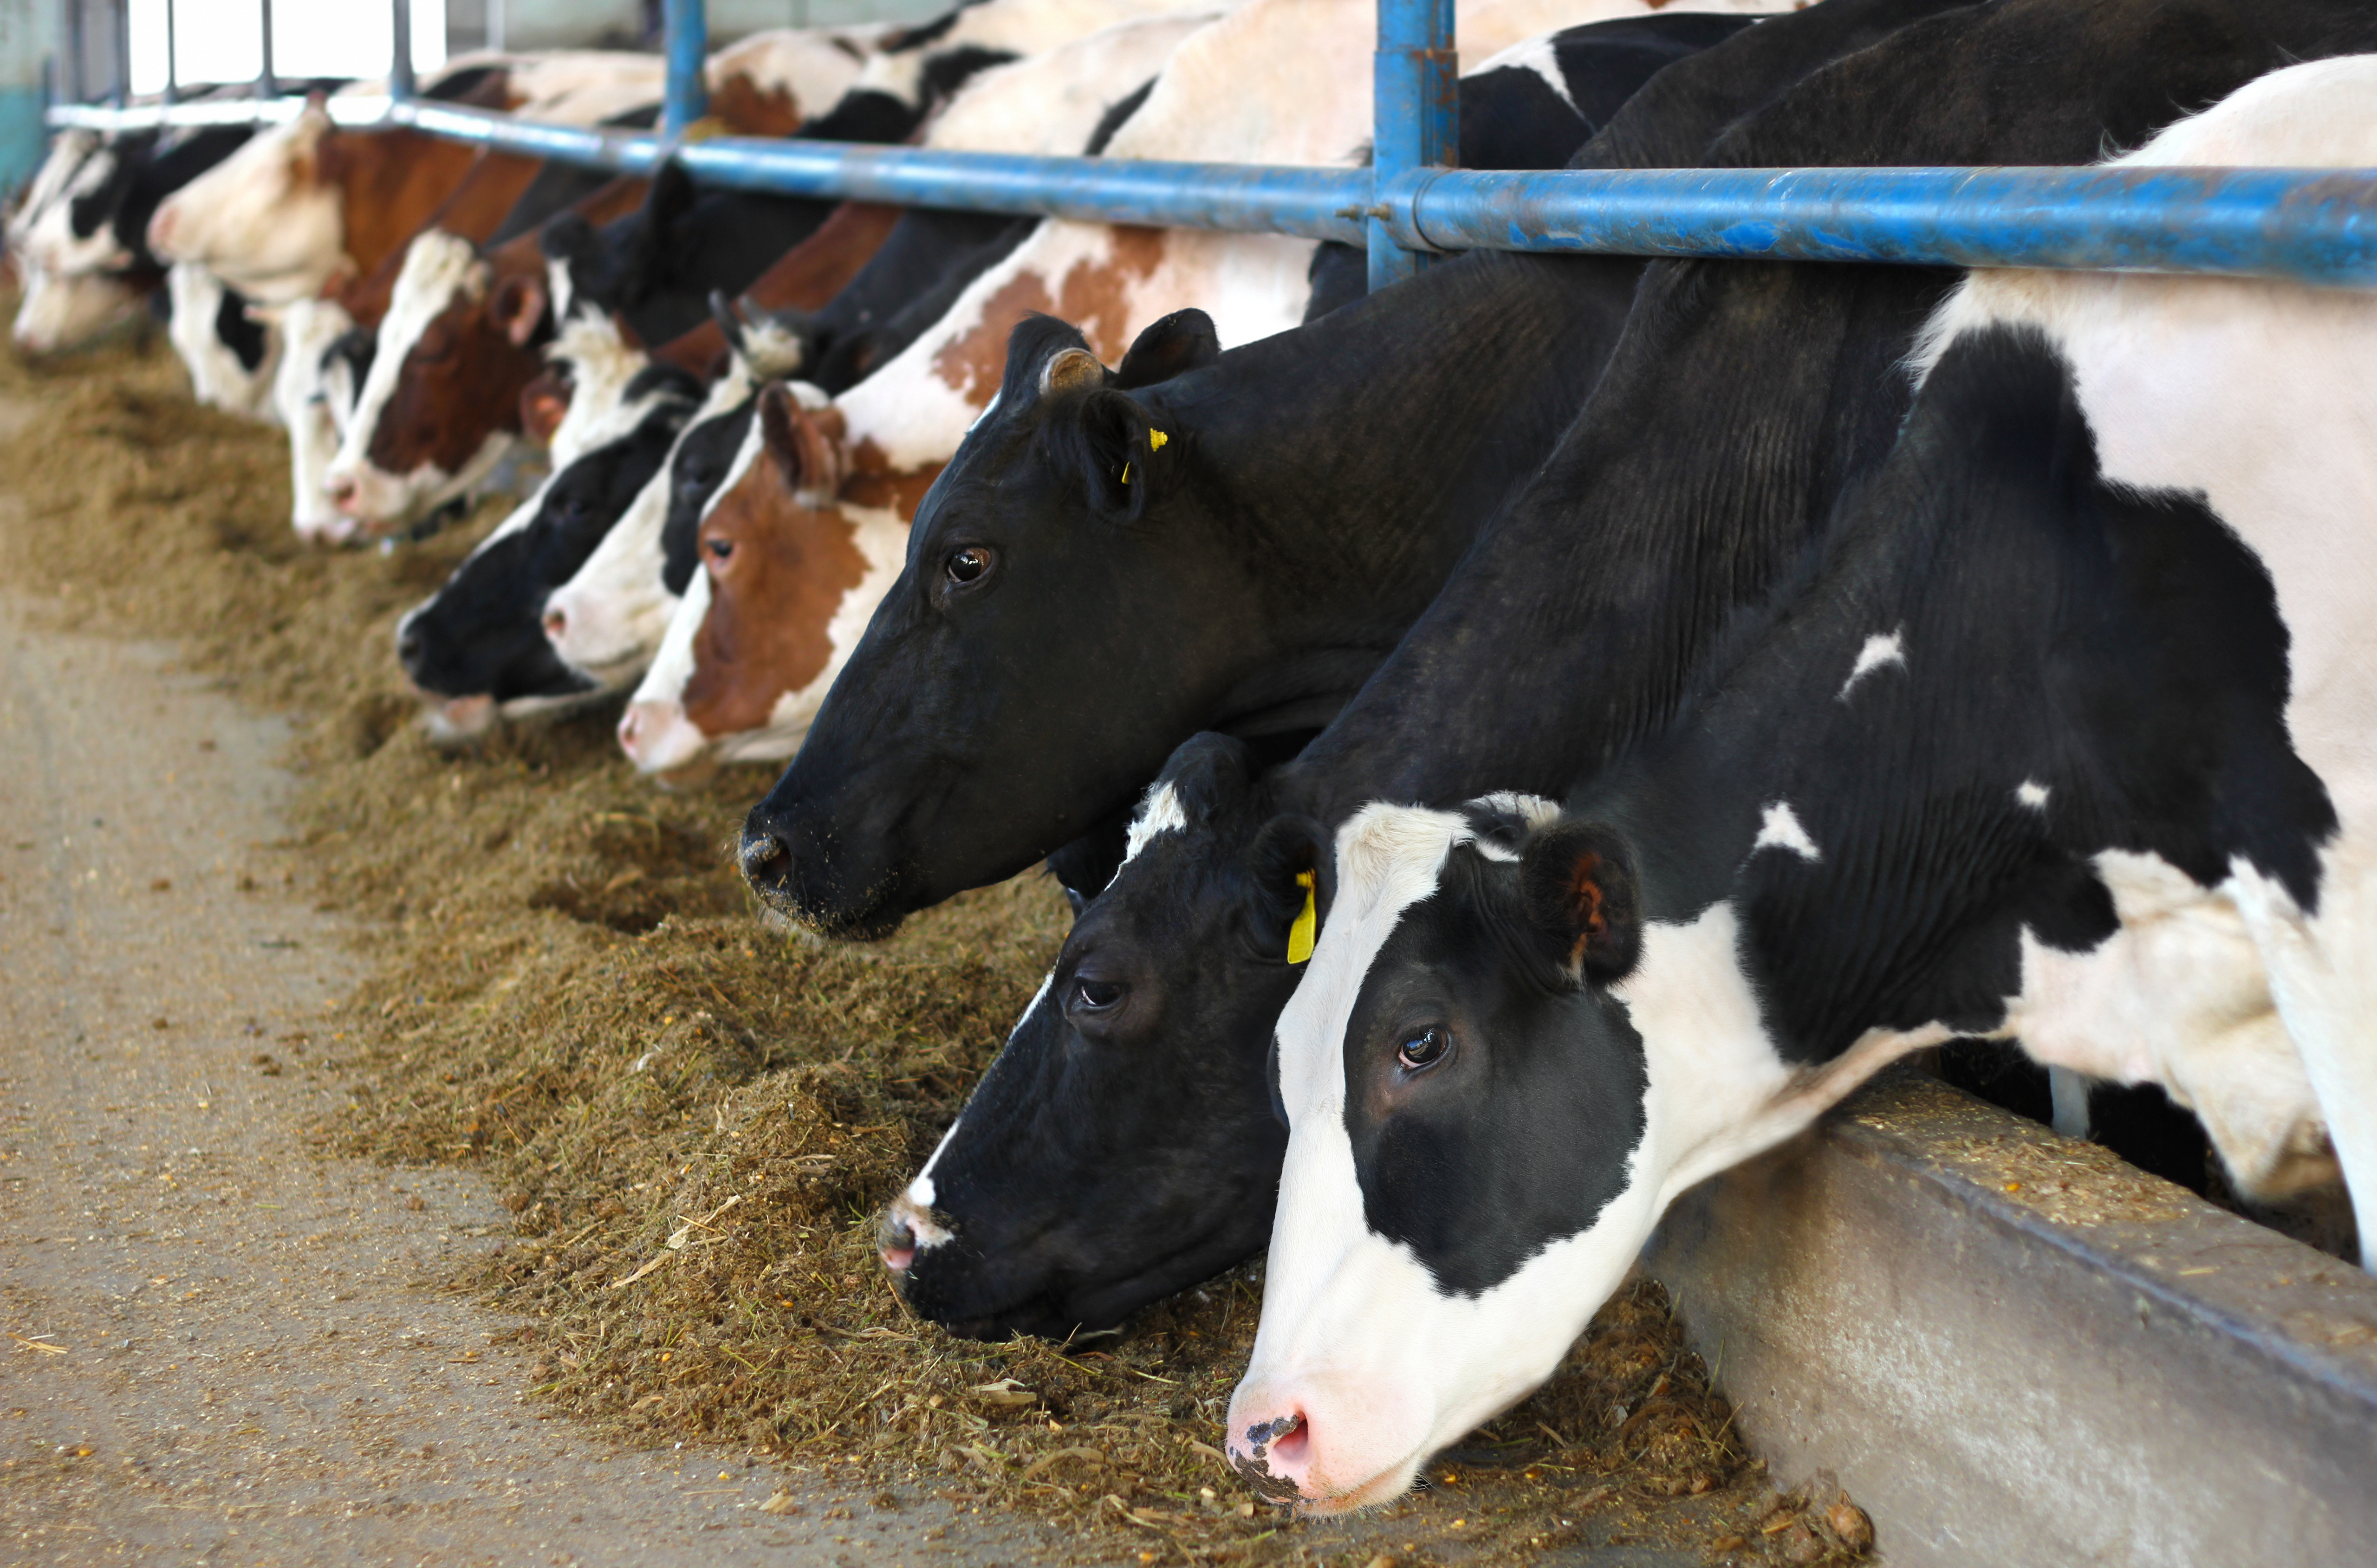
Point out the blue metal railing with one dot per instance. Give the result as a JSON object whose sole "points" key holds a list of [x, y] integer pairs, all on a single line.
{"points": [[2314, 226]]}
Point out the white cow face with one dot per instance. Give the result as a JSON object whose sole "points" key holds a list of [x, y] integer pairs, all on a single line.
{"points": [[61, 311], [264, 219], [1473, 1159]]}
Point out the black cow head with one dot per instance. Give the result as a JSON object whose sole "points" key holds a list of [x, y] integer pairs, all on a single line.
{"points": [[1123, 1146], [482, 635], [1051, 587]]}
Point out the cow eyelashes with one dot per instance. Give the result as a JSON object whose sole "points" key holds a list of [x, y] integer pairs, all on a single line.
{"points": [[1096, 995], [720, 548], [1425, 1049], [967, 565]]}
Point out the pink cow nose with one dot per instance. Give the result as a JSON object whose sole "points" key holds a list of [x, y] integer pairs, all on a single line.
{"points": [[897, 1243], [345, 493], [161, 228], [556, 622], [1274, 1454]]}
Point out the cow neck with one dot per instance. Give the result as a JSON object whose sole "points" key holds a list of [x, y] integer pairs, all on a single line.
{"points": [[393, 179], [2007, 668], [1351, 462], [1745, 396]]}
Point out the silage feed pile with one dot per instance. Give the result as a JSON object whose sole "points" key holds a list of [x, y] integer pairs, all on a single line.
{"points": [[694, 1118]]}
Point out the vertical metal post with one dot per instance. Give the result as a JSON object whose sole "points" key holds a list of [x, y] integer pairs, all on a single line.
{"points": [[173, 59], [1416, 84], [496, 25], [266, 83], [685, 37], [399, 64], [119, 50], [77, 68]]}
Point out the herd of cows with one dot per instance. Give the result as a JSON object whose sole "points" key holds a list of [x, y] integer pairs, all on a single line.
{"points": [[1518, 742]]}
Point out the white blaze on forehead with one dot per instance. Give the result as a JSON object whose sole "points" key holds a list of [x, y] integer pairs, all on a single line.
{"points": [[439, 269], [617, 609], [2032, 793], [1780, 830], [1880, 650], [602, 363], [1159, 813]]}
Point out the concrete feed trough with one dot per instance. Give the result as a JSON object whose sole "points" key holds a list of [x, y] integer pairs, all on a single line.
{"points": [[2014, 1348]]}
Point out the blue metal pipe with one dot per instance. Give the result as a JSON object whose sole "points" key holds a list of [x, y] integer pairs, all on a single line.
{"points": [[2310, 225], [1416, 110], [685, 95], [400, 59]]}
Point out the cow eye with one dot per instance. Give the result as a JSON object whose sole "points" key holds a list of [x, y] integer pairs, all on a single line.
{"points": [[1096, 995], [1425, 1049], [720, 549], [968, 564]]}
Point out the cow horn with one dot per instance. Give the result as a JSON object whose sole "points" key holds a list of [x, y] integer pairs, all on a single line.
{"points": [[731, 322]]}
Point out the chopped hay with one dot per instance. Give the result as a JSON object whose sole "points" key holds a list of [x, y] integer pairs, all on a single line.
{"points": [[694, 1118]]}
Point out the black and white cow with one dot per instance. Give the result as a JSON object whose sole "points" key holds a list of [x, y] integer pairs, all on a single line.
{"points": [[1740, 361], [80, 238], [1223, 590], [2069, 738], [1124, 1139], [476, 649]]}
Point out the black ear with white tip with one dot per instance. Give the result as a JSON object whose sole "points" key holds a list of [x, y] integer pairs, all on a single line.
{"points": [[1578, 883], [1180, 343]]}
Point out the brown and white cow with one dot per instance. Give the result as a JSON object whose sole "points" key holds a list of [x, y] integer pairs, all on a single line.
{"points": [[460, 338], [1275, 82]]}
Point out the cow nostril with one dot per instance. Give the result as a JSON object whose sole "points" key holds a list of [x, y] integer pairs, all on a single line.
{"points": [[897, 1243], [407, 646], [342, 493], [556, 622], [760, 852]]}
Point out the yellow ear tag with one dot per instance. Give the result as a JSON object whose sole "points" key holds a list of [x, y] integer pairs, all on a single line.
{"points": [[1156, 438], [1300, 935], [1126, 473]]}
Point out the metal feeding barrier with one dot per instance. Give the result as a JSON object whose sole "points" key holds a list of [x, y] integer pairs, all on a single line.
{"points": [[2313, 226]]}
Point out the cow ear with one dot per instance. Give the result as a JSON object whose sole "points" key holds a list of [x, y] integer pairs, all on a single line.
{"points": [[1174, 346], [1124, 454], [1290, 878], [801, 446], [518, 308], [544, 402], [1582, 900]]}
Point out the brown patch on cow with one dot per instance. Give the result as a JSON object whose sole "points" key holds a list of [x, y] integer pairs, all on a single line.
{"points": [[459, 385], [390, 182], [1096, 298], [443, 408], [746, 109], [870, 480], [808, 276], [784, 570], [972, 363], [1092, 295]]}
